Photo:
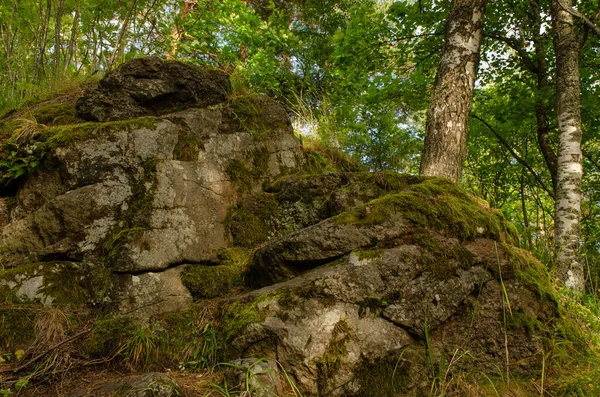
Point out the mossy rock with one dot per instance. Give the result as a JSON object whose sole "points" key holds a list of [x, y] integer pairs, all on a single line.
{"points": [[61, 283], [246, 175], [437, 204], [108, 336], [336, 351], [258, 114], [210, 281], [250, 221], [57, 113]]}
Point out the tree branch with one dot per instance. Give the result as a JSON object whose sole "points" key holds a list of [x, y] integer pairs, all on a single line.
{"points": [[518, 48], [588, 22], [588, 156], [515, 155]]}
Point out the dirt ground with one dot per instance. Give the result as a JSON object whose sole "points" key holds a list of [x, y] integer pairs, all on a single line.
{"points": [[88, 382]]}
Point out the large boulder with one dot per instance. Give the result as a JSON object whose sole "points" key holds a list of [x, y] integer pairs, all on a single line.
{"points": [[152, 87], [146, 194], [392, 288]]}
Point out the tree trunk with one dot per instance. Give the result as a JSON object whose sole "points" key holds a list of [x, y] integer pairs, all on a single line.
{"points": [[541, 105], [57, 36], [73, 40], [452, 93], [569, 170], [41, 52], [121, 35]]}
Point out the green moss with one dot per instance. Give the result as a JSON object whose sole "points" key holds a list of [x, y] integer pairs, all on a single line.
{"points": [[250, 222], [442, 259], [331, 361], [211, 281], [188, 146], [253, 114], [371, 253], [383, 378], [240, 314], [76, 284], [16, 326], [66, 282], [246, 176], [134, 220], [531, 272], [371, 305], [434, 203], [66, 135], [53, 114], [108, 336]]}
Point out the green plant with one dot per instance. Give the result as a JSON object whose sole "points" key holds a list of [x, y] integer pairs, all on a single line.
{"points": [[18, 162], [142, 348], [204, 351]]}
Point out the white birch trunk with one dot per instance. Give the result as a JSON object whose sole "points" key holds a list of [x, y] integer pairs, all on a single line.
{"points": [[569, 171], [452, 94]]}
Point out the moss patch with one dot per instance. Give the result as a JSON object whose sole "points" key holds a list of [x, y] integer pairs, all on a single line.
{"points": [[188, 146], [53, 114], [371, 253], [531, 272], [250, 221], [16, 326], [240, 314], [66, 282], [443, 259], [134, 220], [73, 284], [437, 204], [383, 378], [205, 281], [246, 176], [258, 114], [108, 336], [331, 361]]}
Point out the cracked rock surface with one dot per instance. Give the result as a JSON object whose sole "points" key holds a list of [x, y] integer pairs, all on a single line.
{"points": [[151, 193]]}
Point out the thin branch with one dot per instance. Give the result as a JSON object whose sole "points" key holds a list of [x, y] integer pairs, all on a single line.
{"points": [[515, 155], [588, 22], [42, 354], [588, 156], [517, 47]]}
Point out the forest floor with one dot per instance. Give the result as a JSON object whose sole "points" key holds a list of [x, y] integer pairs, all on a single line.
{"points": [[90, 382]]}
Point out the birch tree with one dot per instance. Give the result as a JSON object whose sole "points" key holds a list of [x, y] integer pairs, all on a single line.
{"points": [[452, 94], [569, 169]]}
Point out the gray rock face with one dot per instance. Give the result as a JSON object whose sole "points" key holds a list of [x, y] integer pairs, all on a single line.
{"points": [[150, 293], [152, 87], [147, 194], [360, 313], [259, 377]]}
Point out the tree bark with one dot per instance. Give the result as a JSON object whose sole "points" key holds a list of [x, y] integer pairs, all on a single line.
{"points": [[121, 35], [57, 36], [569, 170], [541, 105], [73, 40], [452, 95], [41, 53]]}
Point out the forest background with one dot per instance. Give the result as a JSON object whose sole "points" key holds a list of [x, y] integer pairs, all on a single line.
{"points": [[356, 75]]}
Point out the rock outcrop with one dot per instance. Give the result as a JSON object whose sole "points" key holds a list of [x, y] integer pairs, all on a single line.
{"points": [[151, 87], [151, 193], [354, 283], [349, 294]]}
